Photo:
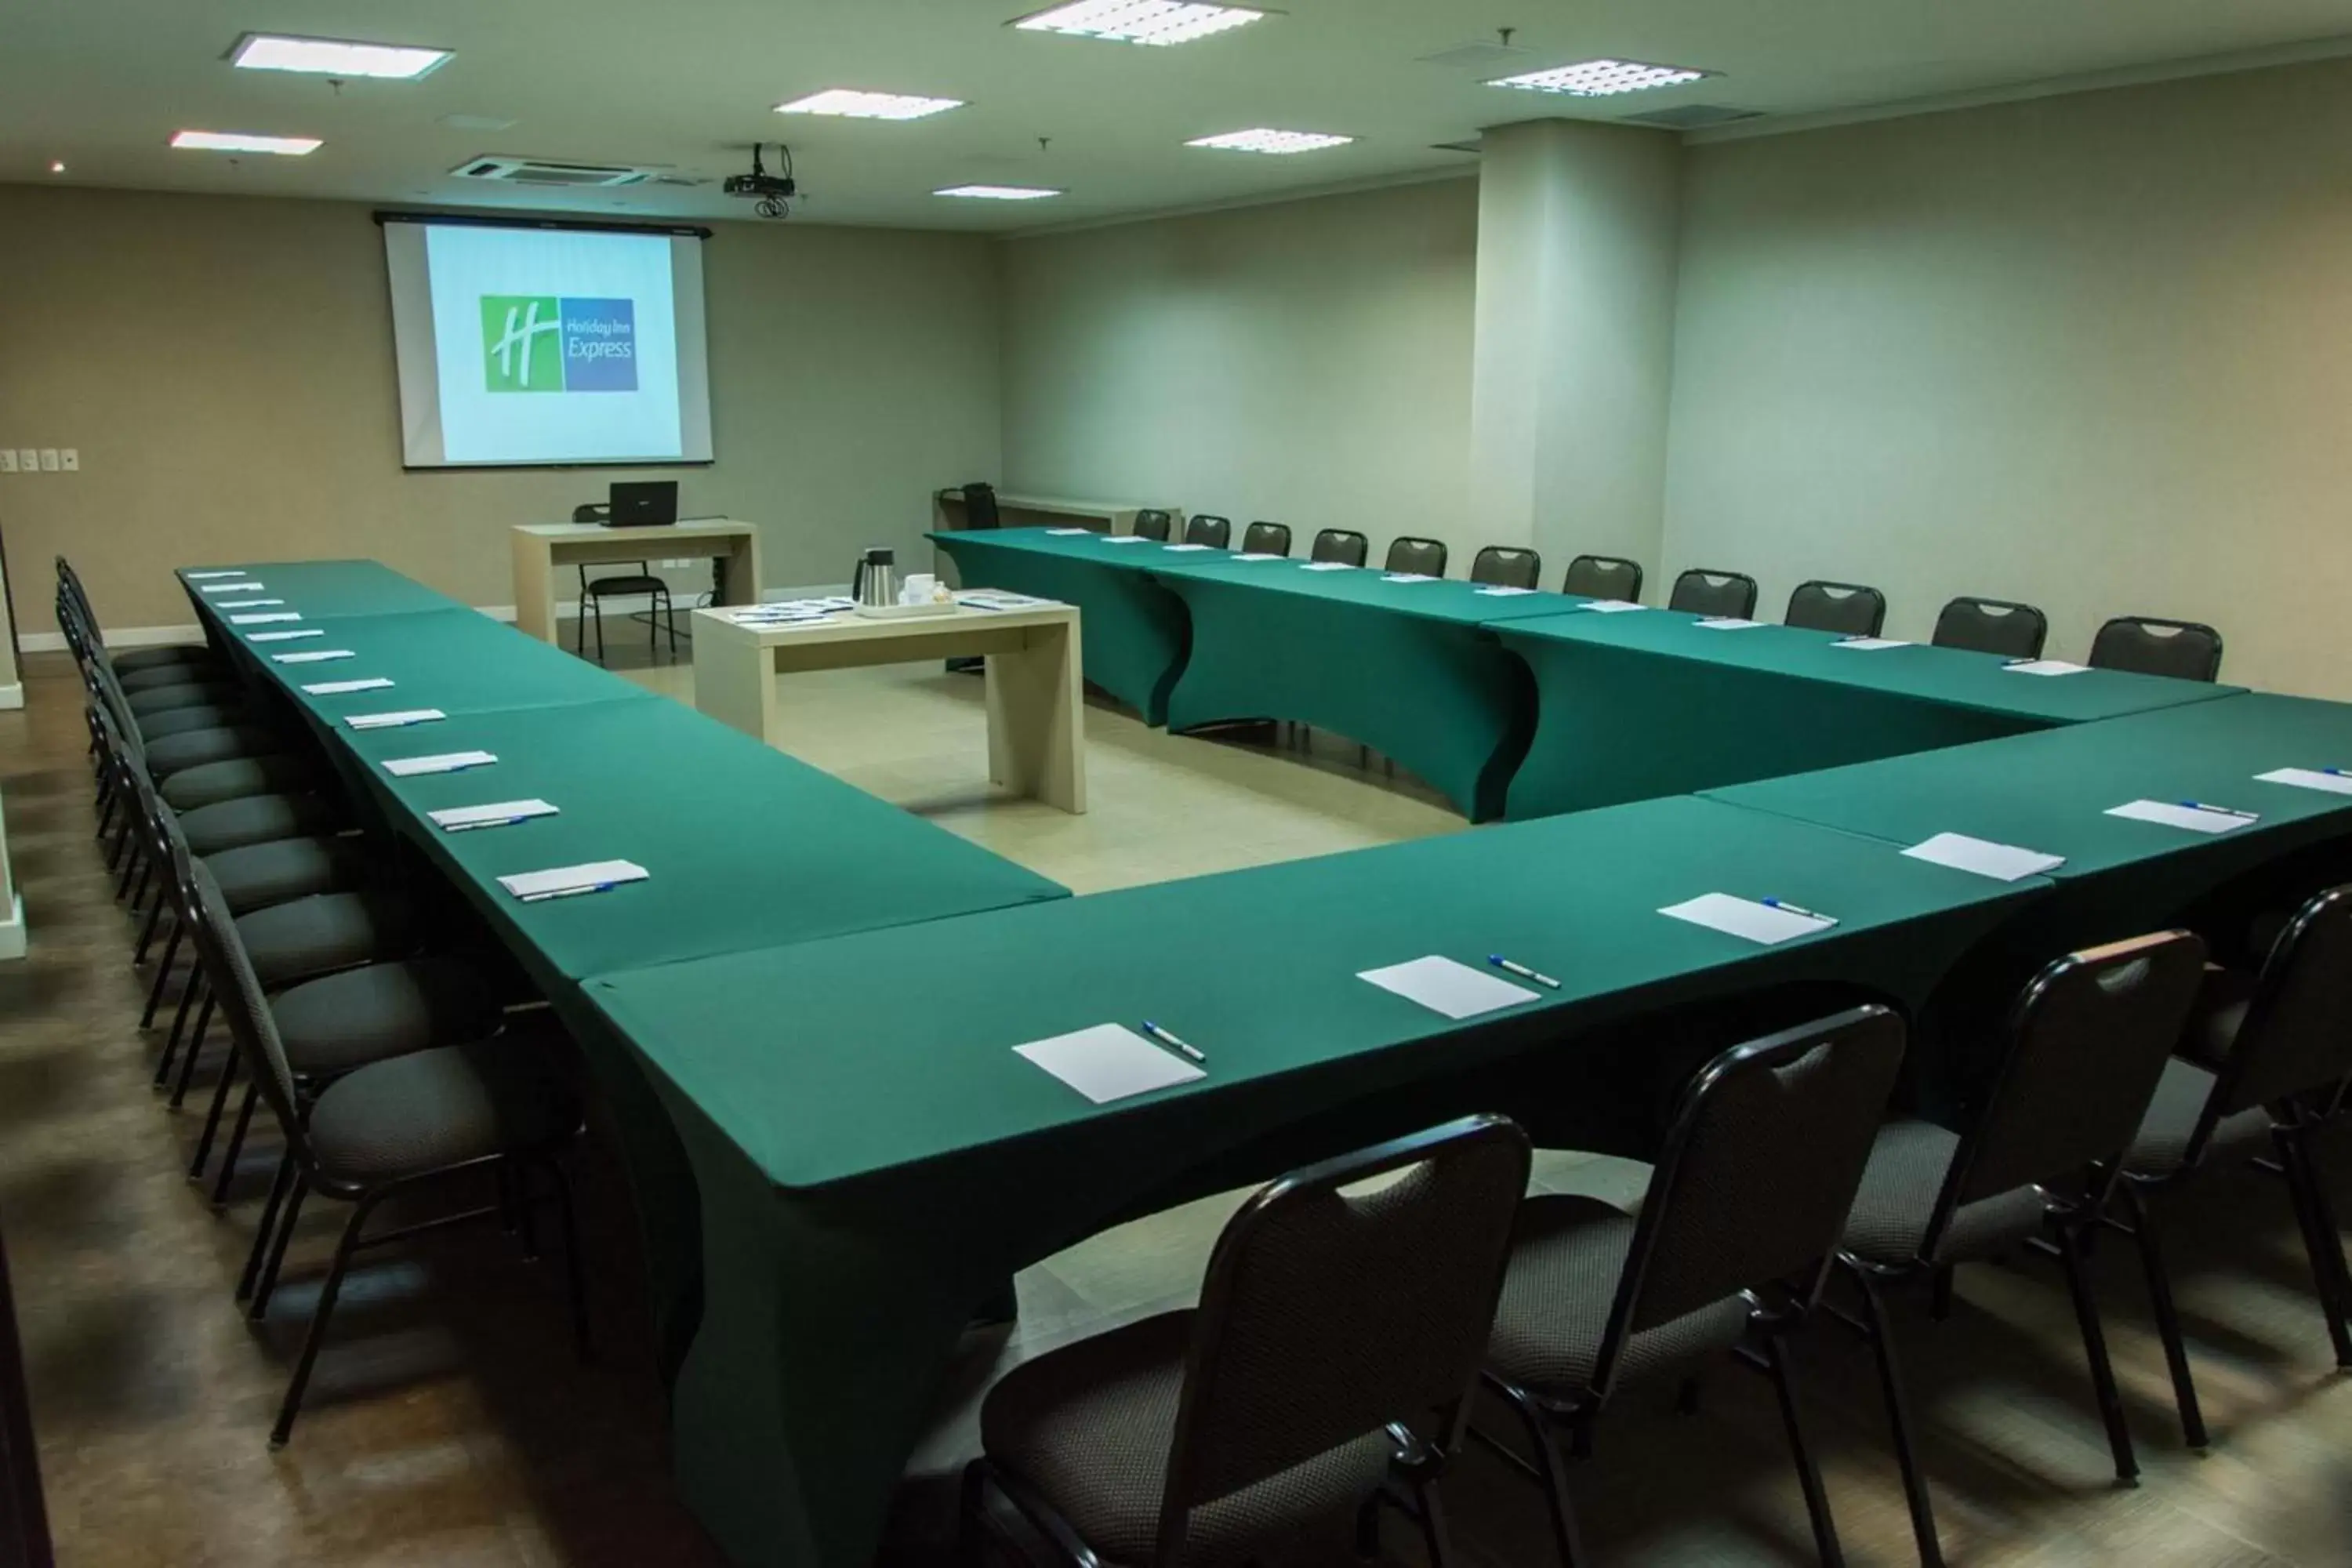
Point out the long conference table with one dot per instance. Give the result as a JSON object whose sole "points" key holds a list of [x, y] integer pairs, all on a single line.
{"points": [[805, 1018]]}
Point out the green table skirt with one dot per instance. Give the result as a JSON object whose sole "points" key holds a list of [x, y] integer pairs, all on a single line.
{"points": [[1132, 633]]}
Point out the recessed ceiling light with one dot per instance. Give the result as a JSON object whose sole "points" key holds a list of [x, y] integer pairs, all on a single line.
{"points": [[998, 192], [332, 57], [1599, 78], [1275, 142], [236, 142], [1139, 21], [857, 105]]}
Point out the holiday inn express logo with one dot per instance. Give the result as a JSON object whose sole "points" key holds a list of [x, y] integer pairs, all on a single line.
{"points": [[547, 343]]}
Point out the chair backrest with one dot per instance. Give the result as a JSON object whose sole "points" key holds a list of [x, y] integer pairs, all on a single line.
{"points": [[1604, 577], [1505, 567], [980, 506], [1702, 591], [1344, 545], [1426, 557], [1207, 528], [236, 990], [1993, 626], [1342, 1299], [1153, 523], [1758, 1171], [2297, 1032], [2082, 1052], [1848, 607], [2186, 650], [1267, 539], [592, 511]]}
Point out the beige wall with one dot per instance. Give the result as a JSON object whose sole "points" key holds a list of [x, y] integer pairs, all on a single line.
{"points": [[2092, 351], [225, 368], [1309, 363]]}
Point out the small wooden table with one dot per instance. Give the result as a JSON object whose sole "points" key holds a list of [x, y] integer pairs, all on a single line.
{"points": [[1036, 729], [540, 548]]}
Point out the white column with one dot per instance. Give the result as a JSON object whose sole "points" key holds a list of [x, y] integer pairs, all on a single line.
{"points": [[1577, 250]]}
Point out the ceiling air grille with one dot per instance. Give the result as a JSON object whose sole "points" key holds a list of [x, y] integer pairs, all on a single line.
{"points": [[542, 171]]}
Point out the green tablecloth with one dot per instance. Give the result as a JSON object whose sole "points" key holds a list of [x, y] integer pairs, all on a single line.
{"points": [[1131, 632], [325, 588], [874, 1159], [1638, 704], [454, 660]]}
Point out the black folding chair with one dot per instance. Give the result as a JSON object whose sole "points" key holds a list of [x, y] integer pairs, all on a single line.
{"points": [[1701, 591], [1425, 557], [1849, 608], [1267, 539], [1604, 577], [1205, 528], [2186, 650], [1993, 626], [1343, 546], [1503, 566]]}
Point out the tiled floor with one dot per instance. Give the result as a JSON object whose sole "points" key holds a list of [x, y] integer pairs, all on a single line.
{"points": [[450, 1425]]}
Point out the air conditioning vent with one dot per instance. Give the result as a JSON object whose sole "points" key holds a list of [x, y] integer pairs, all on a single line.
{"points": [[541, 172], [1692, 116]]}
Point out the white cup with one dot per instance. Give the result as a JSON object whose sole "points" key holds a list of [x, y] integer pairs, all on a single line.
{"points": [[918, 588]]}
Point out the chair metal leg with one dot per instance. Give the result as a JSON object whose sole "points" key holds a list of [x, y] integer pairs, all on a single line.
{"points": [[1939, 1295], [2095, 1350], [1808, 1475], [134, 862], [147, 935], [212, 1117], [1554, 1470], [229, 1155], [2323, 1244], [2168, 1317], [319, 1316], [599, 604], [188, 994], [267, 1229], [1898, 1420], [162, 973], [195, 1048], [259, 1307], [1435, 1535]]}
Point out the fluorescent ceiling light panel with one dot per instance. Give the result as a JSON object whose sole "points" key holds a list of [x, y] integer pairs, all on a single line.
{"points": [[236, 142], [1599, 78], [1274, 142], [998, 192], [332, 57], [852, 104], [1139, 21]]}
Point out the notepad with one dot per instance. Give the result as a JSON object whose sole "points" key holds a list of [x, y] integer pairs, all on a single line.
{"points": [[265, 617], [2184, 814], [1503, 591], [337, 687], [458, 819], [1121, 538], [1869, 645], [439, 763], [1725, 624], [245, 604], [1324, 566], [288, 637], [996, 599], [2044, 666], [564, 881], [1067, 532], [2327, 779], [1109, 1062], [2001, 862], [312, 656], [1407, 577], [1443, 986], [1188, 547], [1612, 606], [396, 720], [226, 571], [236, 587], [1758, 922]]}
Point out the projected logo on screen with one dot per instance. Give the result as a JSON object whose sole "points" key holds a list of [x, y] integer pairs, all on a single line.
{"points": [[542, 342]]}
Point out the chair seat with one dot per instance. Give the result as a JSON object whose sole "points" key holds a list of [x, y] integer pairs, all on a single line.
{"points": [[340, 1022], [256, 876], [1568, 1253], [255, 819], [600, 586], [2162, 1146], [209, 784], [2218, 1014], [161, 697], [1897, 1202], [170, 754], [431, 1110], [1090, 1427], [327, 931], [171, 655], [180, 721]]}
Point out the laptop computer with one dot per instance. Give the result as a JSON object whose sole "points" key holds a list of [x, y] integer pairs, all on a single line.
{"points": [[642, 503]]}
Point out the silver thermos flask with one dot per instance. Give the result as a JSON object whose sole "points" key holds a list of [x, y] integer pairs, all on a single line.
{"points": [[876, 579]]}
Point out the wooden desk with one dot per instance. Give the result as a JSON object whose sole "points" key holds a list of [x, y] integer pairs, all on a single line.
{"points": [[541, 549], [1036, 733], [1050, 511]]}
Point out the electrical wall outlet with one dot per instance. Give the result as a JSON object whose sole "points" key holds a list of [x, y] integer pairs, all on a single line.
{"points": [[69, 459], [49, 459], [7, 459], [29, 459]]}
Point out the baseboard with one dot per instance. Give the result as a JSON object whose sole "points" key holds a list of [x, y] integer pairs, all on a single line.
{"points": [[11, 931], [12, 697]]}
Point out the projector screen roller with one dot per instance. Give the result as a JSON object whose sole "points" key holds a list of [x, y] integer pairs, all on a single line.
{"points": [[521, 345]]}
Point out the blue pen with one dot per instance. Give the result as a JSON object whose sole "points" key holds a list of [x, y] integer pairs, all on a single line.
{"points": [[567, 892], [1165, 1038], [1791, 908], [1522, 971], [2216, 810], [2335, 772]]}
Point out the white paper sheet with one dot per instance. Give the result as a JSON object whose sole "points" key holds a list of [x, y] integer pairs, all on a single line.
{"points": [[265, 618], [394, 719], [1109, 1062], [1502, 590], [1612, 606], [438, 762], [561, 881], [1725, 624], [495, 815], [1869, 645], [2001, 862], [1443, 986], [226, 572], [2044, 666], [337, 687], [1259, 555], [2309, 778], [1766, 923], [1188, 547], [1067, 532], [312, 656], [1407, 577], [240, 586], [1122, 537], [1324, 566], [288, 637], [2181, 814], [245, 604]]}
